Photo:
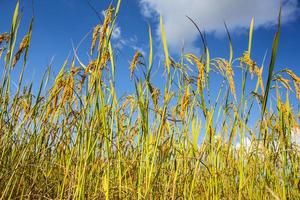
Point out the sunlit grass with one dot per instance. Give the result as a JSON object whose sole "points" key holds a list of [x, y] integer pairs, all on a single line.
{"points": [[78, 140]]}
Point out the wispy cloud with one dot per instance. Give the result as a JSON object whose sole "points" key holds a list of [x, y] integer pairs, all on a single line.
{"points": [[210, 15], [116, 34], [131, 42], [295, 137]]}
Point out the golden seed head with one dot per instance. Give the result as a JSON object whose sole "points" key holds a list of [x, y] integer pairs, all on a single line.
{"points": [[104, 58], [1, 51], [297, 89], [107, 21], [4, 37], [68, 90], [245, 59], [75, 70], [201, 71], [292, 75], [134, 63], [226, 66], [24, 44], [95, 36], [285, 82], [155, 96], [185, 103], [91, 66]]}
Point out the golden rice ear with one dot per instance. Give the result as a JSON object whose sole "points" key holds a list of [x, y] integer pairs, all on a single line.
{"points": [[155, 92], [107, 21], [104, 59], [75, 70], [226, 66], [96, 32], [24, 44], [297, 89], [285, 82], [185, 103], [201, 71], [91, 66], [134, 63], [230, 74], [4, 37], [296, 81], [1, 51], [245, 59], [292, 75]]}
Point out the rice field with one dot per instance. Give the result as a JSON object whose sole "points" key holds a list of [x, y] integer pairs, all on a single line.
{"points": [[79, 140]]}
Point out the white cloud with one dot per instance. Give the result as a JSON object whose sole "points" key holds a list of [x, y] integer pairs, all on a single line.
{"points": [[247, 144], [295, 137], [131, 42], [210, 15], [116, 34]]}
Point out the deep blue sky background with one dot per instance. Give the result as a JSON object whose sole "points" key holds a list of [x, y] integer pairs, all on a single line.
{"points": [[59, 22]]}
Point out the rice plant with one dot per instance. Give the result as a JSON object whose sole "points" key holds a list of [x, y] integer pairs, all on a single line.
{"points": [[79, 140]]}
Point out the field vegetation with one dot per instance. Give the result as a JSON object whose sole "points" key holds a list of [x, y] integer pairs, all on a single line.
{"points": [[79, 140]]}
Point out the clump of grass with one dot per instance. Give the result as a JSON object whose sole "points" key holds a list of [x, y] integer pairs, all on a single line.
{"points": [[77, 140]]}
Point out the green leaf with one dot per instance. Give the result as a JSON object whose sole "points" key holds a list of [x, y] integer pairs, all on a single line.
{"points": [[271, 66], [150, 49], [250, 36], [164, 41]]}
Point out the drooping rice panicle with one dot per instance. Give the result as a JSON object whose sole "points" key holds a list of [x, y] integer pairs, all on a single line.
{"points": [[134, 63], [95, 35], [24, 44], [201, 71], [245, 59], [4, 37], [224, 65], [285, 82], [104, 28]]}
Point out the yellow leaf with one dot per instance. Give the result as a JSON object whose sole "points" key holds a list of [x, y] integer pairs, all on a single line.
{"points": [[164, 41]]}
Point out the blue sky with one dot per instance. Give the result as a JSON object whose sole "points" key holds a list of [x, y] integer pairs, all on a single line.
{"points": [[59, 23]]}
